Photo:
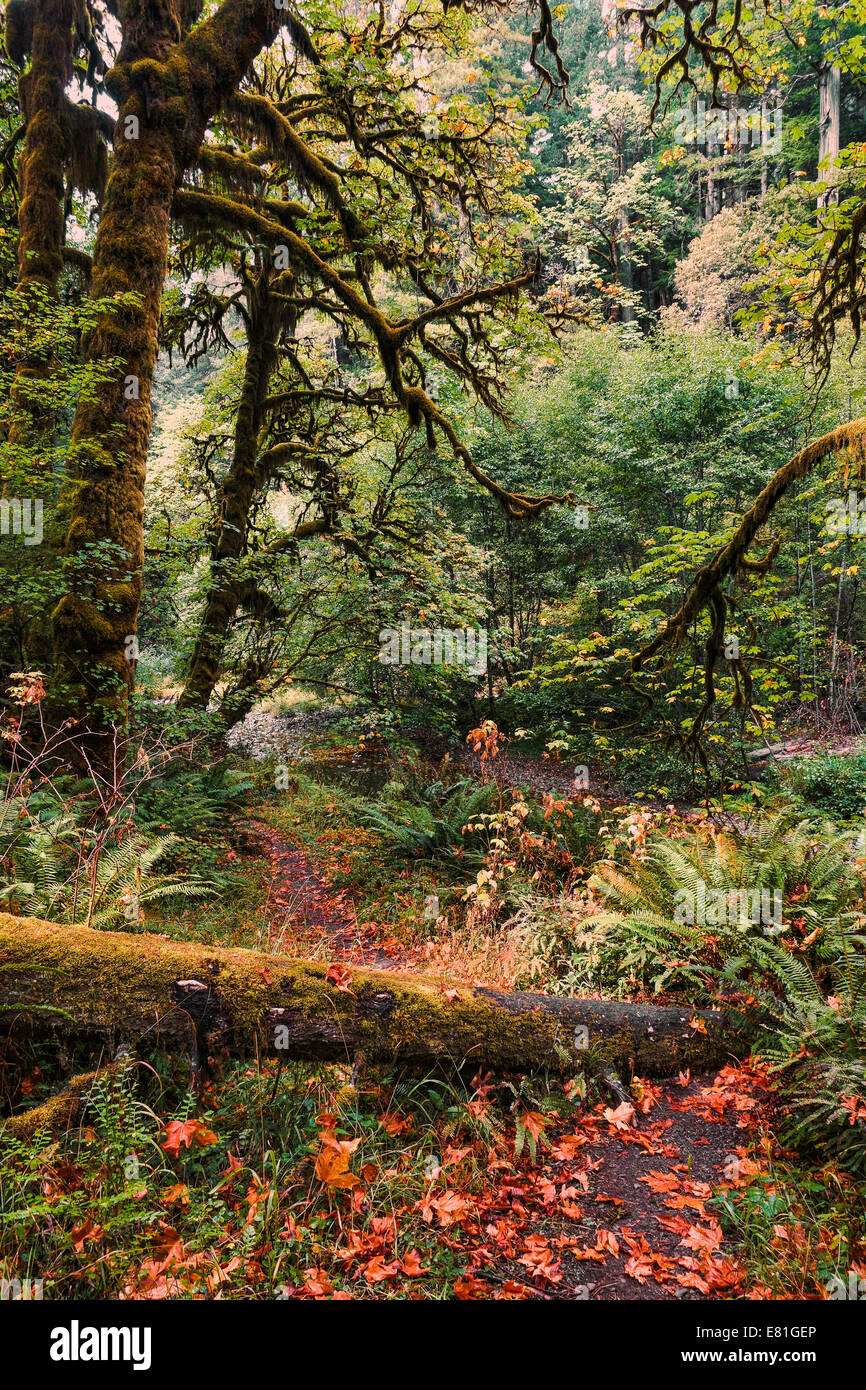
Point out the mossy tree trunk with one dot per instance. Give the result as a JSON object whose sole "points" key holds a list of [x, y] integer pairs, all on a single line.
{"points": [[166, 91], [41, 30], [242, 484], [46, 140], [115, 987]]}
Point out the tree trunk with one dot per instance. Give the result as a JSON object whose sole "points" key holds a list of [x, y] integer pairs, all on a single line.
{"points": [[828, 131], [114, 987], [44, 153], [626, 269], [238, 492], [46, 145], [166, 92], [103, 504]]}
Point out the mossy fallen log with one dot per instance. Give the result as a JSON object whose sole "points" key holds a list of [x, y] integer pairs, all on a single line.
{"points": [[59, 1112], [118, 987]]}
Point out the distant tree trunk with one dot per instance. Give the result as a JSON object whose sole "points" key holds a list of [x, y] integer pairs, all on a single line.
{"points": [[765, 140], [237, 494], [46, 144], [828, 131], [710, 198], [626, 267], [44, 30]]}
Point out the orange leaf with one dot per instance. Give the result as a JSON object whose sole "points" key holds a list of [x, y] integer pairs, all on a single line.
{"points": [[332, 1169], [535, 1122], [469, 1288], [182, 1132], [341, 977], [606, 1240], [621, 1116]]}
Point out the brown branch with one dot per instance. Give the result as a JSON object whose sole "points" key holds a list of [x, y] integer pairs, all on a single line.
{"points": [[705, 589]]}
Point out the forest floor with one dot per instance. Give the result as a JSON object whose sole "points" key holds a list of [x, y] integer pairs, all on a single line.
{"points": [[308, 1181], [678, 1190], [613, 1207]]}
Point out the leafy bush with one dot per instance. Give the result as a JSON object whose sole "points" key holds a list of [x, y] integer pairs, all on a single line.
{"points": [[801, 982], [830, 783]]}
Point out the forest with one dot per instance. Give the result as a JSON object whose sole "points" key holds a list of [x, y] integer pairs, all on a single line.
{"points": [[432, 654]]}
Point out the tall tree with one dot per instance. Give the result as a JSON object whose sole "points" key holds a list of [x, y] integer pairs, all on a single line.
{"points": [[173, 73]]}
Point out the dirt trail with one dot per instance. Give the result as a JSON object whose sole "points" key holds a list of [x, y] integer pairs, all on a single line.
{"points": [[615, 1206], [299, 898], [644, 1230]]}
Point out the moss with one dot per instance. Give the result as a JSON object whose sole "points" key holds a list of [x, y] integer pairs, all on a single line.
{"points": [[80, 620], [117, 985], [18, 29], [58, 1113], [46, 139]]}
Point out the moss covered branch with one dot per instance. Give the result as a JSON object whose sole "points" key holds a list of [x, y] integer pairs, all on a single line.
{"points": [[59, 1112], [116, 987], [732, 559]]}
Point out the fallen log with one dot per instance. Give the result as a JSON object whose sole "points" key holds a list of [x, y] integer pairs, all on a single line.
{"points": [[59, 1112], [149, 990]]}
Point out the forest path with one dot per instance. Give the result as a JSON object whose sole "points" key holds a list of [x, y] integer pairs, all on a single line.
{"points": [[614, 1206], [301, 902]]}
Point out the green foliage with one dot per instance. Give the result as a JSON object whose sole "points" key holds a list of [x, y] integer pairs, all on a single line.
{"points": [[828, 783], [432, 821], [53, 867], [801, 981], [191, 797]]}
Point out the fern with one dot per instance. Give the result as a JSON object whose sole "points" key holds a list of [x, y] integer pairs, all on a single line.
{"points": [[805, 986], [435, 824]]}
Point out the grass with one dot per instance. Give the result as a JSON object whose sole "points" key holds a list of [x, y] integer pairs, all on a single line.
{"points": [[132, 1205], [802, 1230], [308, 1182]]}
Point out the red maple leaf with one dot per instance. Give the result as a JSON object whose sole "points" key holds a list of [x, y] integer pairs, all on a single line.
{"points": [[182, 1132]]}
